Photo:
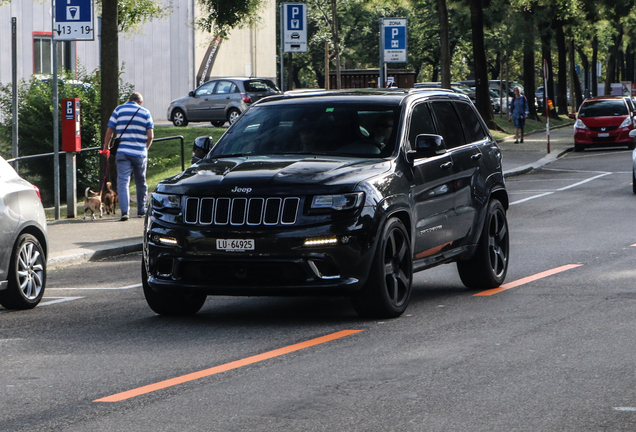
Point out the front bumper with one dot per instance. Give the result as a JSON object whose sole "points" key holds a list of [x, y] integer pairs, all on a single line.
{"points": [[588, 137], [280, 264]]}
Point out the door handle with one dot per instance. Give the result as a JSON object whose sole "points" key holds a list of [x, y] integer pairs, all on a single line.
{"points": [[446, 166], [476, 156]]}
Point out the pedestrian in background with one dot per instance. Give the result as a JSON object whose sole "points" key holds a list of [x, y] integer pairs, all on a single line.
{"points": [[519, 111], [133, 126]]}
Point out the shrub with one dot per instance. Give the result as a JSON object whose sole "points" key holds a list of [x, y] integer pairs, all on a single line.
{"points": [[35, 116]]}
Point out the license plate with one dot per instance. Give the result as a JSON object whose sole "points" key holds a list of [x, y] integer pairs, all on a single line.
{"points": [[237, 245], [603, 135]]}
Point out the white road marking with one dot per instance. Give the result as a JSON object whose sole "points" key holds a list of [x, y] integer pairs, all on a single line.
{"points": [[630, 409], [579, 183], [98, 288], [47, 301]]}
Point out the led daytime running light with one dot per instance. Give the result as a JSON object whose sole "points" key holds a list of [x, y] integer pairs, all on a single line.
{"points": [[321, 241]]}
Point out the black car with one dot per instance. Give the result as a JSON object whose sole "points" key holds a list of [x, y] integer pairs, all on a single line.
{"points": [[332, 193]]}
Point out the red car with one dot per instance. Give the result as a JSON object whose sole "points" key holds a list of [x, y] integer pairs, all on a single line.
{"points": [[603, 121]]}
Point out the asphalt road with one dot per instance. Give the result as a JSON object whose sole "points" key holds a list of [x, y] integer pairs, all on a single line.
{"points": [[552, 351]]}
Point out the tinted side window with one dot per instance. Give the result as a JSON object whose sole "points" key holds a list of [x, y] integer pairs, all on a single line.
{"points": [[473, 130], [421, 123], [448, 123]]}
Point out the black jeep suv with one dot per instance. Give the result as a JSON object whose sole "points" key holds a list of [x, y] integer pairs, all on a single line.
{"points": [[336, 193]]}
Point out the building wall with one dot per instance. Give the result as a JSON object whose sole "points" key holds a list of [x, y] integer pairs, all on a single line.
{"points": [[160, 59], [249, 51]]}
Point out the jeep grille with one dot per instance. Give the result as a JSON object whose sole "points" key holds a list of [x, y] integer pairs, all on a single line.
{"points": [[241, 211]]}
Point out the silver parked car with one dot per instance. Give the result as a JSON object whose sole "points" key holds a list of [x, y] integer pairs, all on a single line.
{"points": [[23, 241], [219, 100]]}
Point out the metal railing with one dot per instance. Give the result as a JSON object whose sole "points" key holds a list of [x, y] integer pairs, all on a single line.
{"points": [[180, 137]]}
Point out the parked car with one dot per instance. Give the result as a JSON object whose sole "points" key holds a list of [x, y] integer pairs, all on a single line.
{"points": [[344, 193], [219, 100], [604, 121], [459, 88], [23, 241], [496, 85]]}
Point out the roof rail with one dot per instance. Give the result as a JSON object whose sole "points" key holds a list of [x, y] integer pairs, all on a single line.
{"points": [[430, 89]]}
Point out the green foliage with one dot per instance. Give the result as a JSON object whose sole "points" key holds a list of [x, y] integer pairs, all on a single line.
{"points": [[35, 129], [220, 16], [131, 14]]}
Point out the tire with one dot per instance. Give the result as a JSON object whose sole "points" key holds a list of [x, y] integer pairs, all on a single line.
{"points": [[217, 123], [27, 275], [172, 304], [179, 118], [487, 268], [631, 146], [578, 148], [633, 181], [388, 289], [233, 115]]}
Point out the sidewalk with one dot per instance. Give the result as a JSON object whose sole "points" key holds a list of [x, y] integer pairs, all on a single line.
{"points": [[73, 241]]}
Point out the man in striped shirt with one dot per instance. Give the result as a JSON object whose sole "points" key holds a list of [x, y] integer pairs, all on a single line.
{"points": [[133, 125]]}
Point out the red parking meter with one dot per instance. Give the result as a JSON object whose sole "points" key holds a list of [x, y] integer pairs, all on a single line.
{"points": [[71, 135]]}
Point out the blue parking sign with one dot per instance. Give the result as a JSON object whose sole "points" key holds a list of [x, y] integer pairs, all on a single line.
{"points": [[73, 11], [294, 27], [393, 40], [395, 37], [295, 17]]}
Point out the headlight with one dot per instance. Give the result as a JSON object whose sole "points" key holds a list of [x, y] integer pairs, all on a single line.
{"points": [[337, 202], [163, 201], [626, 122], [579, 125]]}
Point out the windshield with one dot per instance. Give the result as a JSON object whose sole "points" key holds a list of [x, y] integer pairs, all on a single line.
{"points": [[314, 128], [603, 108]]}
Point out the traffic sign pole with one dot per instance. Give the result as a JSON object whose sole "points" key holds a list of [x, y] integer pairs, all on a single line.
{"points": [[545, 98], [71, 20]]}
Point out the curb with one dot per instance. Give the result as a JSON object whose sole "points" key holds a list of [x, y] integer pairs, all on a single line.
{"points": [[538, 164], [82, 255]]}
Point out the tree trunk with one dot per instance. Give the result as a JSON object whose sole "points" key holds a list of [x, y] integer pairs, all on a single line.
{"points": [[546, 42], [528, 62], [586, 71], [445, 59], [109, 78], [576, 85], [482, 93], [611, 62], [562, 88], [593, 84]]}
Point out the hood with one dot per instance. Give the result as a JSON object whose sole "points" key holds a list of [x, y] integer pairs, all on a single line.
{"points": [[268, 175], [603, 121], [181, 100]]}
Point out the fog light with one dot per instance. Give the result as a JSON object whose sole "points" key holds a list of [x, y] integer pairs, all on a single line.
{"points": [[168, 241], [324, 241]]}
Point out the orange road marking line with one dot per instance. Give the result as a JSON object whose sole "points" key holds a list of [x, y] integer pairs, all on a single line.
{"points": [[225, 367], [526, 280]]}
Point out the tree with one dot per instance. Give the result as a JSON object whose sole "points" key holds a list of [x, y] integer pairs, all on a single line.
{"points": [[445, 57], [482, 92]]}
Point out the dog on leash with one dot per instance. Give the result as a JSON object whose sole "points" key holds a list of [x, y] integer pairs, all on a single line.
{"points": [[93, 203], [109, 198]]}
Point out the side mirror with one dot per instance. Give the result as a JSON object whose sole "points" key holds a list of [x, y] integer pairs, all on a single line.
{"points": [[426, 146], [632, 133], [201, 148], [572, 116], [191, 93]]}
